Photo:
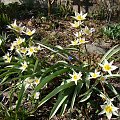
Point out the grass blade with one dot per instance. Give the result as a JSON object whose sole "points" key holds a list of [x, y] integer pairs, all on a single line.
{"points": [[60, 101], [20, 97], [49, 78], [54, 92]]}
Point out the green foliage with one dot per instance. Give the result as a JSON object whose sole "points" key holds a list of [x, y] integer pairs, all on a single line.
{"points": [[63, 11], [112, 31], [4, 20], [25, 78]]}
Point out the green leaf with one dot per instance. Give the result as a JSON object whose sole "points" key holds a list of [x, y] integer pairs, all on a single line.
{"points": [[20, 97], [64, 106], [49, 78], [7, 73], [87, 82], [5, 110], [112, 51], [35, 66], [53, 67], [4, 79], [60, 101], [77, 89], [55, 91], [86, 97], [112, 76], [113, 90]]}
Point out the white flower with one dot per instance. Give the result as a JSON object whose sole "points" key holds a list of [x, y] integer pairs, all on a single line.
{"points": [[24, 66], [108, 67], [28, 83], [94, 74], [17, 28], [82, 41], [88, 31], [31, 50], [75, 42], [80, 16], [78, 34], [76, 24], [36, 95], [12, 47], [23, 50], [7, 58], [75, 76], [29, 32], [19, 40], [109, 109], [36, 81]]}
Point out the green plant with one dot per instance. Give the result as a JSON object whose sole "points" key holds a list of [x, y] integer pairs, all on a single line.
{"points": [[25, 77], [4, 20], [112, 31], [63, 10]]}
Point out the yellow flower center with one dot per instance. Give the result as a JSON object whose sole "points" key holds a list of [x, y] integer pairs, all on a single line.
{"points": [[107, 67], [17, 28], [94, 75], [29, 33], [8, 59], [79, 17], [75, 77], [19, 41], [75, 42], [37, 81], [31, 50], [23, 50], [24, 66], [82, 41], [108, 109]]}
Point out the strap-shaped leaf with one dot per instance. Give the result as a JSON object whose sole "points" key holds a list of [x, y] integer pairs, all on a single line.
{"points": [[86, 97], [60, 101], [49, 78], [110, 53], [8, 73], [77, 89], [113, 90], [53, 67], [20, 97], [55, 91], [5, 110], [64, 106], [112, 76]]}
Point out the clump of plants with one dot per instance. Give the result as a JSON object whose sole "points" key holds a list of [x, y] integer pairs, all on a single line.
{"points": [[4, 20], [112, 31], [24, 77]]}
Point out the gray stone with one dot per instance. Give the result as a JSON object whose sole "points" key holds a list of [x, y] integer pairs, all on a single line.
{"points": [[91, 48]]}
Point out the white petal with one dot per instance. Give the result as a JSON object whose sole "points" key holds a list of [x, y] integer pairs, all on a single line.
{"points": [[102, 106], [113, 67], [109, 115], [115, 113], [111, 62], [101, 65], [76, 82], [102, 112], [106, 62]]}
